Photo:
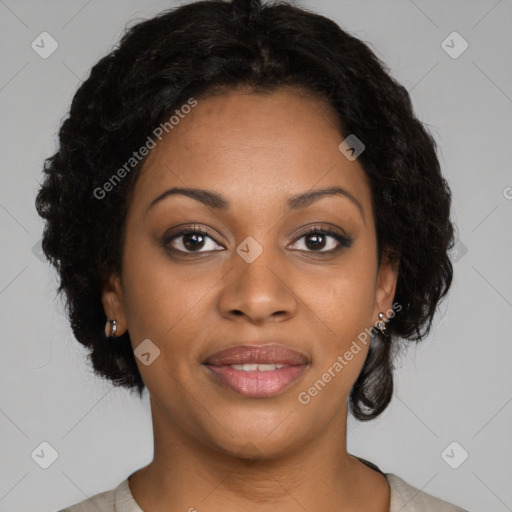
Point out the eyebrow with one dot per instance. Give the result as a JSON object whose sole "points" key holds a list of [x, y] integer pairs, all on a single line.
{"points": [[217, 201]]}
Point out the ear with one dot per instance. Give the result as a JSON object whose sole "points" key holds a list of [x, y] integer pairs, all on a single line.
{"points": [[113, 304], [385, 286]]}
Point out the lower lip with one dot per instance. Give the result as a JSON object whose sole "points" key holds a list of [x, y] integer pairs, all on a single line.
{"points": [[256, 384]]}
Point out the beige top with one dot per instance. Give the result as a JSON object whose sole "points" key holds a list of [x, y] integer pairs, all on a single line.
{"points": [[404, 498]]}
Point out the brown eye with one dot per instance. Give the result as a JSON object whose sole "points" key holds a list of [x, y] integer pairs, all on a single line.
{"points": [[192, 240], [318, 239]]}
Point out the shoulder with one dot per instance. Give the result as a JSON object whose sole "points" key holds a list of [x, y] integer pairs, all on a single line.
{"points": [[406, 498], [105, 501]]}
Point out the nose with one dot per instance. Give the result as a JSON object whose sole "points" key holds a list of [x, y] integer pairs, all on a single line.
{"points": [[259, 291]]}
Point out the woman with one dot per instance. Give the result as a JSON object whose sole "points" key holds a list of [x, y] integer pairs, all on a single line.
{"points": [[246, 218]]}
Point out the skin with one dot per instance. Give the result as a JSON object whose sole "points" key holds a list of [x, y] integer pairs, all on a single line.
{"points": [[213, 448]]}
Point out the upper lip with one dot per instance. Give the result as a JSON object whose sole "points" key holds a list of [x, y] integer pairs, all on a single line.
{"points": [[252, 353]]}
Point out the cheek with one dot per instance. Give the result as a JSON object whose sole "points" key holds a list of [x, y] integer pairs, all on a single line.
{"points": [[343, 304], [160, 299], [162, 306], [345, 295]]}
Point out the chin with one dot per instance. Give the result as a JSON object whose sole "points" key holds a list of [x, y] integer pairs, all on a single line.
{"points": [[256, 442]]}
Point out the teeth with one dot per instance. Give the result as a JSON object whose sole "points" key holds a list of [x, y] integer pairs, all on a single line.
{"points": [[266, 367], [256, 367]]}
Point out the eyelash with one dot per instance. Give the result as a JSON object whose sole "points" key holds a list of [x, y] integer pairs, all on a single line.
{"points": [[343, 240]]}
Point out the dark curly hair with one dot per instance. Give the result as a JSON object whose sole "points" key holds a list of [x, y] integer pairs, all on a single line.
{"points": [[209, 46]]}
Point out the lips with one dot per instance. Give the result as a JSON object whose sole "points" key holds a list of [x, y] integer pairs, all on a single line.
{"points": [[257, 354], [256, 371]]}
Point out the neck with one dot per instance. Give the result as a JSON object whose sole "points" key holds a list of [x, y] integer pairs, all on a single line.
{"points": [[187, 474]]}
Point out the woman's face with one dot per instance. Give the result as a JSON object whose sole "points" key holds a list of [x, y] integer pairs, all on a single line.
{"points": [[254, 278]]}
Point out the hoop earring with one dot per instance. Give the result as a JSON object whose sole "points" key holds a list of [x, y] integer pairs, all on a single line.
{"points": [[381, 325], [111, 333]]}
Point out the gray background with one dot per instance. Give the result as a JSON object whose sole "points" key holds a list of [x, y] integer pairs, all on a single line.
{"points": [[455, 386]]}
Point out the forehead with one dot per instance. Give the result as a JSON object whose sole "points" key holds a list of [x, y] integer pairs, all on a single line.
{"points": [[253, 147]]}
